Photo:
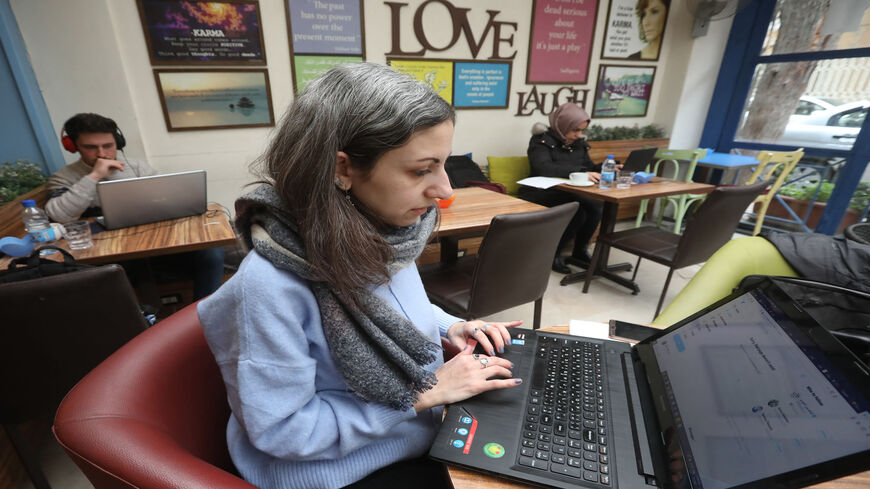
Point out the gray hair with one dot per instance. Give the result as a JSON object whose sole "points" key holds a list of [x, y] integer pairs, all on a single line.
{"points": [[364, 110]]}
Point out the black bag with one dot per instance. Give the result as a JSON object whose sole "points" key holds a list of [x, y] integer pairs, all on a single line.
{"points": [[463, 172], [33, 266]]}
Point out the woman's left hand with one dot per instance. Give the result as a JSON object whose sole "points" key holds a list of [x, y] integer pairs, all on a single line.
{"points": [[491, 336], [594, 176]]}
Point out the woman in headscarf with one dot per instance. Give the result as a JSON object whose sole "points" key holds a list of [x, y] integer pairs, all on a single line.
{"points": [[558, 152]]}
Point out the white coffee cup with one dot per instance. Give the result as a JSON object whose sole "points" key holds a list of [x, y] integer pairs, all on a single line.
{"points": [[579, 178]]}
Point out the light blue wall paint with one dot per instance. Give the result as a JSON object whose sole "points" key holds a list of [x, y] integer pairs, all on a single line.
{"points": [[25, 126]]}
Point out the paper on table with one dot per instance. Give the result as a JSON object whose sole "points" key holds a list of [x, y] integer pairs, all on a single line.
{"points": [[590, 329], [542, 182]]}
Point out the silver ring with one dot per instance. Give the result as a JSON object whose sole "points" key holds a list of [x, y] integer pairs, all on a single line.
{"points": [[484, 327], [483, 361], [475, 330], [476, 355]]}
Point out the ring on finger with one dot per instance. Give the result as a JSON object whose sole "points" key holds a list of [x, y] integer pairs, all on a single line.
{"points": [[483, 328], [474, 331], [476, 356], [483, 361]]}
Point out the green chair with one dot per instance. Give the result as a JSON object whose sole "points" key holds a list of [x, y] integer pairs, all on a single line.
{"points": [[724, 271], [681, 159], [506, 170]]}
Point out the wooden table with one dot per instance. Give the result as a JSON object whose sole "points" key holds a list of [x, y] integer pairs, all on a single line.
{"points": [[612, 197], [467, 479], [208, 230], [470, 215]]}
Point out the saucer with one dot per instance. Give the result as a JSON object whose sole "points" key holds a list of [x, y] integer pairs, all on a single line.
{"points": [[587, 184]]}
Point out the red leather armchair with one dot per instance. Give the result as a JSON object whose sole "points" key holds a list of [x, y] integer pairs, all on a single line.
{"points": [[153, 415]]}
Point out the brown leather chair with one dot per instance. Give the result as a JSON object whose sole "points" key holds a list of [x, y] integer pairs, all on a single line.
{"points": [[55, 330], [512, 266], [708, 229], [153, 415]]}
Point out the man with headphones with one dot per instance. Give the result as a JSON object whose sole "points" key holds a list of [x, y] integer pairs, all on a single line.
{"points": [[73, 189], [73, 193]]}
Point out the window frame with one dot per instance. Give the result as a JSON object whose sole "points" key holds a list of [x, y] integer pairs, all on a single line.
{"points": [[742, 56]]}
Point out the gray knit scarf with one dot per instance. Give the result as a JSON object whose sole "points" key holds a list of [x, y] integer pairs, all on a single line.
{"points": [[379, 352]]}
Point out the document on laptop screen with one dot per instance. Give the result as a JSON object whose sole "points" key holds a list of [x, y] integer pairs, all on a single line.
{"points": [[753, 397]]}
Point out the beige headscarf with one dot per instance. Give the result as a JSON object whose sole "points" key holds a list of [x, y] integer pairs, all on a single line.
{"points": [[567, 117]]}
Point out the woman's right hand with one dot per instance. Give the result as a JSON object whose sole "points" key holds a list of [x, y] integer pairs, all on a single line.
{"points": [[464, 376]]}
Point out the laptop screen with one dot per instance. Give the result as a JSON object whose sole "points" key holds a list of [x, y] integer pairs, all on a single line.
{"points": [[748, 393]]}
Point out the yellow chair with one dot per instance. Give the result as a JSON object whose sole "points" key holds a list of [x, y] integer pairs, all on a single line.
{"points": [[506, 170], [724, 271], [685, 158], [769, 163]]}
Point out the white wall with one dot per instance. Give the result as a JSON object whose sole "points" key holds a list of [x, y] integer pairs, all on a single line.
{"points": [[90, 55]]}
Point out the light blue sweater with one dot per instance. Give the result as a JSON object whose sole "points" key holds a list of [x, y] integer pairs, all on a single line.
{"points": [[294, 423]]}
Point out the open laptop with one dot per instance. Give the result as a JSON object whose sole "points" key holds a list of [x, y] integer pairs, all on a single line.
{"points": [[749, 392], [135, 201], [639, 159]]}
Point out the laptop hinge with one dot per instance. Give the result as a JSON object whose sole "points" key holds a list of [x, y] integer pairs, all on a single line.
{"points": [[642, 450]]}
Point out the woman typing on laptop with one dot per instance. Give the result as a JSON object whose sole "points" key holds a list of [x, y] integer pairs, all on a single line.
{"points": [[326, 340]]}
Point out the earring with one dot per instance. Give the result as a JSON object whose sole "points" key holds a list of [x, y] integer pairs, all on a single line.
{"points": [[339, 183]]}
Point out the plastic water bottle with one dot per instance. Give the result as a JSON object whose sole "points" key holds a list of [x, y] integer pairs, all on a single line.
{"points": [[608, 173], [37, 225]]}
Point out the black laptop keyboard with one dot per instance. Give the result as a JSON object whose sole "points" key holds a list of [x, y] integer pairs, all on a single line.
{"points": [[565, 427]]}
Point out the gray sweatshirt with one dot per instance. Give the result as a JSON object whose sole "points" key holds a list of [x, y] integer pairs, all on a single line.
{"points": [[71, 192]]}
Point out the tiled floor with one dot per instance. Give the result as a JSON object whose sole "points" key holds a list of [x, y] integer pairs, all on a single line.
{"points": [[604, 301]]}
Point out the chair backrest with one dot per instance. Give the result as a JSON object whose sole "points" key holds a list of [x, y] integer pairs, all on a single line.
{"points": [[506, 170], [153, 415], [684, 162], [55, 330], [771, 161], [514, 259], [714, 223]]}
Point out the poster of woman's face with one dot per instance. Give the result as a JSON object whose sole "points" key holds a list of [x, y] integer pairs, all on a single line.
{"points": [[635, 29]]}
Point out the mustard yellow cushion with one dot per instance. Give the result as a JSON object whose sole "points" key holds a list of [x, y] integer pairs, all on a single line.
{"points": [[724, 271], [506, 170]]}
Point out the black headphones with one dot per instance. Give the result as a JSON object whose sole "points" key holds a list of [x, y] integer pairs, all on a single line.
{"points": [[69, 143]]}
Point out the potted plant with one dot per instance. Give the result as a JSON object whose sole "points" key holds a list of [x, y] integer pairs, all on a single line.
{"points": [[800, 199], [18, 178]]}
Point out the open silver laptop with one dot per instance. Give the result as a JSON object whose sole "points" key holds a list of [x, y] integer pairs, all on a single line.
{"points": [[135, 201]]}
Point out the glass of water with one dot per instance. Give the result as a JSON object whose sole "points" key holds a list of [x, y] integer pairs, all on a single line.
{"points": [[624, 178]]}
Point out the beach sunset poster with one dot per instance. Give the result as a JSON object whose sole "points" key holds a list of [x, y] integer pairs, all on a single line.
{"points": [[214, 99]]}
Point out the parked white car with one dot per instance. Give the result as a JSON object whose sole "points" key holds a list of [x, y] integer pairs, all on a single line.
{"points": [[833, 127]]}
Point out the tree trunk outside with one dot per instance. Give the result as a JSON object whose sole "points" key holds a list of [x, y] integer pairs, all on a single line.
{"points": [[777, 87]]}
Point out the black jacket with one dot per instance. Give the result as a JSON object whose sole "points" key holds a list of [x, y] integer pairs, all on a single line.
{"points": [[831, 259], [549, 156]]}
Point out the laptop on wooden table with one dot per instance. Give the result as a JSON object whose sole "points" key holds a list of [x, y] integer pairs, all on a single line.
{"points": [[135, 201], [749, 392]]}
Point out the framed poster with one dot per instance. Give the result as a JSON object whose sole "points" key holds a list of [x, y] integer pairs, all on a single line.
{"points": [[437, 74], [214, 98], [308, 67], [623, 91], [560, 45], [225, 32], [481, 84], [634, 29], [320, 29]]}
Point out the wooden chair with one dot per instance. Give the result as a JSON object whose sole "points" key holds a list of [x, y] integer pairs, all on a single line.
{"points": [[710, 227], [771, 162], [511, 268], [681, 159]]}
